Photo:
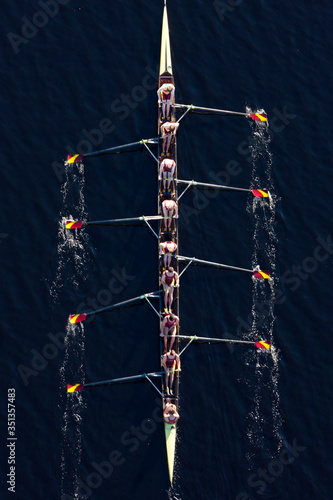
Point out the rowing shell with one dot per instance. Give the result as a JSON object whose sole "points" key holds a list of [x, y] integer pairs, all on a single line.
{"points": [[166, 76]]}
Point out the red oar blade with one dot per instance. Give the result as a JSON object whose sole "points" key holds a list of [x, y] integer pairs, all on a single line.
{"points": [[260, 193], [77, 318], [74, 158], [259, 117], [75, 388], [261, 274], [263, 344], [73, 224]]}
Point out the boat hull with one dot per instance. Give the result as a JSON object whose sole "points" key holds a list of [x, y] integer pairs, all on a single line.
{"points": [[166, 76], [170, 440]]}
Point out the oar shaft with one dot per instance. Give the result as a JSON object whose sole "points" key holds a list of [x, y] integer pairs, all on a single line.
{"points": [[210, 186], [117, 149], [211, 110], [124, 379], [120, 304], [227, 341], [214, 264], [131, 219]]}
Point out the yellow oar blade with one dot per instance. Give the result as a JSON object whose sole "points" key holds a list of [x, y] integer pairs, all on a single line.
{"points": [[260, 193], [73, 224], [77, 318], [263, 344], [259, 117], [75, 388], [74, 159], [261, 274]]}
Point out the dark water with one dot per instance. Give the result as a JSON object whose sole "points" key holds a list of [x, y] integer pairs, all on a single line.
{"points": [[253, 425]]}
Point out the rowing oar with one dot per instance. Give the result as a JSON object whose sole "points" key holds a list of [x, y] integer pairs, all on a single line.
{"points": [[260, 193], [76, 224], [258, 117], [256, 272], [78, 318], [261, 344], [77, 158], [80, 387]]}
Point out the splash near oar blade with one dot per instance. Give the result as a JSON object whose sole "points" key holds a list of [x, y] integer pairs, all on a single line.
{"points": [[77, 318], [74, 158], [261, 274], [263, 344], [260, 193], [73, 224], [259, 117], [75, 388]]}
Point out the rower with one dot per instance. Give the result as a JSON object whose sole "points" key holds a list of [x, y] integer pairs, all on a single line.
{"points": [[169, 280], [168, 130], [167, 249], [170, 362], [170, 211], [170, 413], [166, 95], [169, 329], [167, 170]]}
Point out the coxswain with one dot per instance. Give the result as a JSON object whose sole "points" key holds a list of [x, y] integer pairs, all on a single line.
{"points": [[170, 413], [168, 130], [167, 170], [167, 249], [170, 211], [170, 362], [169, 329], [166, 95], [169, 280]]}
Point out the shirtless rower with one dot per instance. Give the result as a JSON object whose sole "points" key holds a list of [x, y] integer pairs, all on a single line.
{"points": [[167, 170], [168, 130], [170, 413], [170, 362], [169, 329], [167, 249], [169, 280], [170, 211], [166, 94]]}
